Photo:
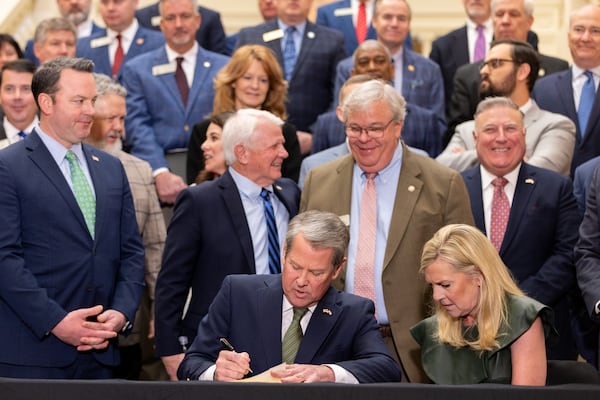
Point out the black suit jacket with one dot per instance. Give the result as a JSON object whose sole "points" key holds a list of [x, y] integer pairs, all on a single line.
{"points": [[208, 239], [310, 90], [210, 35], [539, 240], [465, 95]]}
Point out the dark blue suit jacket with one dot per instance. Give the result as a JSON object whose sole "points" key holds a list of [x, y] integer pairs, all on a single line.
{"points": [[310, 91], [157, 120], [555, 93], [422, 129], [582, 180], [144, 41], [30, 54], [50, 263], [422, 82], [208, 239], [247, 311], [210, 35], [539, 239]]}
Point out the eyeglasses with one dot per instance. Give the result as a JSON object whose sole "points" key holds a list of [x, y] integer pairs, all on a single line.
{"points": [[171, 18], [374, 132], [495, 63]]}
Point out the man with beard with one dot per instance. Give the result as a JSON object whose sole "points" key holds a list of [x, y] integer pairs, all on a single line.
{"points": [[511, 69], [78, 13], [107, 130]]}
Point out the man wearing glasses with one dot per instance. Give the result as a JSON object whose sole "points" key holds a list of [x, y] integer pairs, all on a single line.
{"points": [[394, 201], [511, 69]]}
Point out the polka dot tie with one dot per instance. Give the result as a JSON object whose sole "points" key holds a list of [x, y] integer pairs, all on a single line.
{"points": [[364, 267], [83, 192], [500, 212]]}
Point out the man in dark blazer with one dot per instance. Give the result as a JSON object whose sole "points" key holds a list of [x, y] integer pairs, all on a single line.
{"points": [[71, 279], [339, 336], [537, 244], [211, 35], [218, 228], [512, 20], [318, 50], [101, 47], [555, 93]]}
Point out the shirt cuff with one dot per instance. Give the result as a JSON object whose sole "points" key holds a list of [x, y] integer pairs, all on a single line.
{"points": [[159, 171], [208, 374], [342, 375]]}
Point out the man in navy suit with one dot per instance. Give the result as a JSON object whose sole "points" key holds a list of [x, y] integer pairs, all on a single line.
{"points": [[158, 120], [122, 30], [537, 241], [218, 228], [416, 78], [78, 13], [560, 93], [338, 334], [512, 20], [210, 36], [310, 77], [73, 263]]}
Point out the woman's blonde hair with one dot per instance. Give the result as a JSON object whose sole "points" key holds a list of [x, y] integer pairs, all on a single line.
{"points": [[236, 68], [470, 252]]}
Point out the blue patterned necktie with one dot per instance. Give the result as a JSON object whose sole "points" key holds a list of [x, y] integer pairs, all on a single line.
{"points": [[83, 192], [292, 338], [22, 134], [289, 52], [272, 235], [588, 93]]}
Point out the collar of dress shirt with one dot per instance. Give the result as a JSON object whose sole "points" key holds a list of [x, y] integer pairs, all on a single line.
{"points": [[12, 133], [127, 34], [511, 177], [189, 56], [390, 169], [85, 28], [300, 28], [246, 187]]}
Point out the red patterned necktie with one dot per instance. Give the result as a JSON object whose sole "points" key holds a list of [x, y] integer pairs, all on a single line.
{"points": [[364, 268], [119, 55], [500, 212], [181, 80], [361, 23]]}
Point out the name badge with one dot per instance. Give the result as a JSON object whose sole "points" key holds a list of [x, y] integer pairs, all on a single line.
{"points": [[155, 21], [100, 42], [164, 69], [342, 12], [273, 35]]}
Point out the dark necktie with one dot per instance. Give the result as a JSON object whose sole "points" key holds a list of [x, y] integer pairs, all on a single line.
{"points": [[22, 134], [272, 235], [293, 337], [588, 93], [181, 81], [500, 212], [289, 53], [119, 55]]}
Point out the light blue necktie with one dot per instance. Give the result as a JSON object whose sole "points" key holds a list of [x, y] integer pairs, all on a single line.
{"points": [[289, 52], [272, 235], [83, 192], [588, 93]]}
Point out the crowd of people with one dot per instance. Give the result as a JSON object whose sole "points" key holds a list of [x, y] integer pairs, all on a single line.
{"points": [[370, 213]]}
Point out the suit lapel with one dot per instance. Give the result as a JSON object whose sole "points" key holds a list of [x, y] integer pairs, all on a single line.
{"points": [[168, 79], [525, 187], [461, 51], [306, 47], [201, 77], [594, 117], [94, 162], [282, 195], [472, 179], [232, 201], [274, 45], [564, 86], [269, 330], [137, 45], [321, 323]]}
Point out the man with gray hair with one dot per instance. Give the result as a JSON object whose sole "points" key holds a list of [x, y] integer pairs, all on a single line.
{"points": [[53, 38], [394, 201], [106, 134], [323, 335], [232, 225]]}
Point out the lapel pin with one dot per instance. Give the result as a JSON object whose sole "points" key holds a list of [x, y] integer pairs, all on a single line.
{"points": [[411, 68], [278, 187], [327, 311], [541, 72], [411, 188], [310, 35], [529, 181], [206, 64], [140, 41], [95, 158]]}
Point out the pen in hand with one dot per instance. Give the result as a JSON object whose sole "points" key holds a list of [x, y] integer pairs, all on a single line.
{"points": [[229, 347]]}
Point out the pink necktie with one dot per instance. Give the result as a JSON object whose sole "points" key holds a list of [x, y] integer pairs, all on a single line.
{"points": [[119, 55], [500, 212], [364, 268], [361, 23], [479, 52]]}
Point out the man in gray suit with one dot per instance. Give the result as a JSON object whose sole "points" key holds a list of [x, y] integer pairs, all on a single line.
{"points": [[510, 69]]}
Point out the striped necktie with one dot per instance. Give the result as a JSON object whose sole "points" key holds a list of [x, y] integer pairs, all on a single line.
{"points": [[293, 337], [272, 235]]}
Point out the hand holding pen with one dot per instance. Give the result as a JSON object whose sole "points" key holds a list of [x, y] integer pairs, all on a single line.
{"points": [[231, 365]]}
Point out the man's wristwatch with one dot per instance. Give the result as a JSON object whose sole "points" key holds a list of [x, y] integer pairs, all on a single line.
{"points": [[126, 326]]}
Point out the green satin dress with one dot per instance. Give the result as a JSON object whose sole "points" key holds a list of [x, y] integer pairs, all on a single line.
{"points": [[445, 364]]}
